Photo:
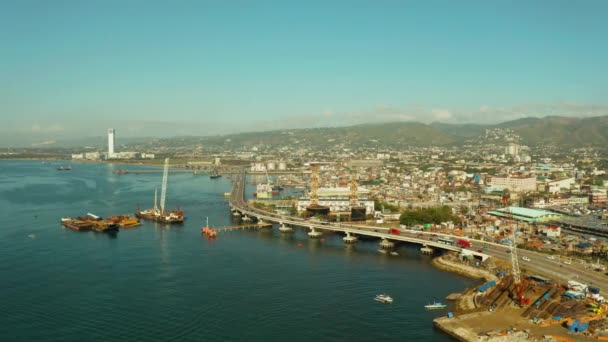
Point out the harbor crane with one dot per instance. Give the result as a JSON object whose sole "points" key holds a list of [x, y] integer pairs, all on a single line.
{"points": [[163, 192]]}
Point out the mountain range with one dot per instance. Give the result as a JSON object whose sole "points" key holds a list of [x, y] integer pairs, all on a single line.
{"points": [[551, 130]]}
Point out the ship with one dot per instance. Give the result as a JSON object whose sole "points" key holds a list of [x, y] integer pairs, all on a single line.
{"points": [[159, 214], [125, 221], [90, 222], [214, 174], [64, 168], [121, 172]]}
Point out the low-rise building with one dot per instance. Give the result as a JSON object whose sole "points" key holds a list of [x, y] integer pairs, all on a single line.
{"points": [[598, 196]]}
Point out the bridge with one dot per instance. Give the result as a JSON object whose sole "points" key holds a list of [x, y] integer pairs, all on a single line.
{"points": [[238, 203]]}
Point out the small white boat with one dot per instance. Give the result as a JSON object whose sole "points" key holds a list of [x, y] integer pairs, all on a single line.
{"points": [[393, 253], [383, 251], [383, 298], [435, 305]]}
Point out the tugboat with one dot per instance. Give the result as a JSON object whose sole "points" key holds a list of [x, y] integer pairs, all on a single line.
{"points": [[64, 168], [208, 232], [383, 298], [214, 174]]}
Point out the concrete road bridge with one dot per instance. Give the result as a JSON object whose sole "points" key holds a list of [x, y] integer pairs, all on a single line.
{"points": [[238, 204], [557, 269]]}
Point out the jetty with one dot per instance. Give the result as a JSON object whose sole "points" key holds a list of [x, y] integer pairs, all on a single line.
{"points": [[243, 226]]}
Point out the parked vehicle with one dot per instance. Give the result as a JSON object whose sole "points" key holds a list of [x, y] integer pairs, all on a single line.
{"points": [[525, 258]]}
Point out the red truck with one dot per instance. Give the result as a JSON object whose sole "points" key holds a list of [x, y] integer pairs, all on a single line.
{"points": [[464, 243], [395, 231]]}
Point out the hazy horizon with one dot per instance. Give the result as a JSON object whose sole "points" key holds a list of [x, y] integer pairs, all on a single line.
{"points": [[155, 68]]}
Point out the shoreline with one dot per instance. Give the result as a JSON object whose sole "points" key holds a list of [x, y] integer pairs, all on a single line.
{"points": [[464, 301], [444, 264]]}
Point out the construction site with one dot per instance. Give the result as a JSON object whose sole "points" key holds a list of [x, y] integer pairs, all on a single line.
{"points": [[520, 307]]}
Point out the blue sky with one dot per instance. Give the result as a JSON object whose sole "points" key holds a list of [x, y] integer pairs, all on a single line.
{"points": [[212, 67]]}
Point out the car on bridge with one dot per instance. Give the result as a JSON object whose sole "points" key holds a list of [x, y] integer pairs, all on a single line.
{"points": [[525, 258]]}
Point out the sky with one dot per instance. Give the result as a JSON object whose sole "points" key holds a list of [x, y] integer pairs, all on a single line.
{"points": [[165, 68]]}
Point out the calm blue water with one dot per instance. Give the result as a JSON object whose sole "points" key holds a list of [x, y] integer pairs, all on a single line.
{"points": [[157, 283]]}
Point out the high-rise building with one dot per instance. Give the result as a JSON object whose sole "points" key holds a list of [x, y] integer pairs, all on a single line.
{"points": [[512, 149], [111, 136]]}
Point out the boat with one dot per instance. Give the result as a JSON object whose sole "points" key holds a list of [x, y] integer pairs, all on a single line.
{"points": [[159, 214], [64, 168], [125, 221], [435, 305], [121, 172], [393, 253], [89, 222], [76, 224], [214, 174], [383, 251], [208, 232], [383, 298]]}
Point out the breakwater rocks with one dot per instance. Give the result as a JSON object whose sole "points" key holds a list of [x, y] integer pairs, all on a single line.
{"points": [[446, 264]]}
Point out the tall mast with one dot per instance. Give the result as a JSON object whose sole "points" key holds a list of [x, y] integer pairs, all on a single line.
{"points": [[163, 192]]}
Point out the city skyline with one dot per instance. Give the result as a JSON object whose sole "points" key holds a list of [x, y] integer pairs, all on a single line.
{"points": [[204, 69]]}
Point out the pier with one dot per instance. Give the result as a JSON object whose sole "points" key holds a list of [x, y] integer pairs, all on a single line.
{"points": [[243, 227]]}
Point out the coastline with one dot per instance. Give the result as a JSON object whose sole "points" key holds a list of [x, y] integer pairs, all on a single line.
{"points": [[464, 301], [445, 264]]}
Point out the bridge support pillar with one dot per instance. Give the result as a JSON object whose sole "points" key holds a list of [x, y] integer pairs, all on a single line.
{"points": [[246, 218], [314, 234], [426, 250], [386, 245], [236, 213], [349, 238], [285, 229]]}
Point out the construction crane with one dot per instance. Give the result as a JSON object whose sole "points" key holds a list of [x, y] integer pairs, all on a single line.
{"points": [[520, 284], [354, 188], [163, 192]]}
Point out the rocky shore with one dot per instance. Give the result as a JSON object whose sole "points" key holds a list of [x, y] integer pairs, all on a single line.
{"points": [[446, 264]]}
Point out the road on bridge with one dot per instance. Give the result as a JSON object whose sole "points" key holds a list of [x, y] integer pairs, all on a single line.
{"points": [[539, 263]]}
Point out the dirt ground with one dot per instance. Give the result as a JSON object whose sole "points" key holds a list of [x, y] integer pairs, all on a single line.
{"points": [[510, 317]]}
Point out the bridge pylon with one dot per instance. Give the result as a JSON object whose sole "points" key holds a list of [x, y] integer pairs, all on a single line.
{"points": [[314, 234], [285, 229], [349, 238]]}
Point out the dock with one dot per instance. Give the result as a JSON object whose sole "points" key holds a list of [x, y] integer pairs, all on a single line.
{"points": [[242, 227]]}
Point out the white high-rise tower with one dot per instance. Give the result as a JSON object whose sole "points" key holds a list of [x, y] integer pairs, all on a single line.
{"points": [[111, 133]]}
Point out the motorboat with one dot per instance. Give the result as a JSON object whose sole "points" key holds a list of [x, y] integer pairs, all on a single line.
{"points": [[393, 253], [383, 298], [435, 305]]}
